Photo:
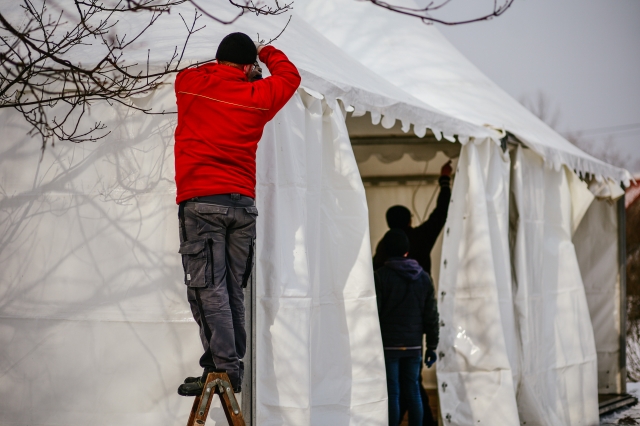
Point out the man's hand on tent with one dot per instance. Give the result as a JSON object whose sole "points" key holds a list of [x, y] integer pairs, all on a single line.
{"points": [[446, 169], [430, 358]]}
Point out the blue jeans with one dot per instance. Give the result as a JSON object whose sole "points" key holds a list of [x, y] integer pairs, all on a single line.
{"points": [[404, 373]]}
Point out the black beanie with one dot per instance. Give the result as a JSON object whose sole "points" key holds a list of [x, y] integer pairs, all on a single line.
{"points": [[398, 217], [395, 243], [237, 48]]}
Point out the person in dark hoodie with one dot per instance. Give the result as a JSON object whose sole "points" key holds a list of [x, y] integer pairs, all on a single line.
{"points": [[423, 237], [407, 310]]}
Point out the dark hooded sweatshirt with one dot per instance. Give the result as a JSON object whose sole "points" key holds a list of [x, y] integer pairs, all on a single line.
{"points": [[406, 307]]}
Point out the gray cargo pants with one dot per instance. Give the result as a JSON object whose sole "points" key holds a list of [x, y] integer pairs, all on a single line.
{"points": [[217, 243]]}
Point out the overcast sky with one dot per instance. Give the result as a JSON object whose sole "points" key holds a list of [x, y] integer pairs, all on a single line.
{"points": [[583, 55]]}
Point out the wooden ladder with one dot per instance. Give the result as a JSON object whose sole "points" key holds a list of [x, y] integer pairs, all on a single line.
{"points": [[217, 383]]}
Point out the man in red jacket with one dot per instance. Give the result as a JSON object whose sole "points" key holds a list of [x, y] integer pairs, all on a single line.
{"points": [[221, 116]]}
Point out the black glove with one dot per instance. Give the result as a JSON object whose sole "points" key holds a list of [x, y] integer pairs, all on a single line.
{"points": [[256, 73], [430, 358]]}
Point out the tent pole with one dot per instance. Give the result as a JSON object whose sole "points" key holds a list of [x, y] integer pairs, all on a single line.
{"points": [[254, 315], [622, 261], [249, 383]]}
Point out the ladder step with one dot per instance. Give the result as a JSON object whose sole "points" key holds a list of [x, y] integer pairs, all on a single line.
{"points": [[217, 383]]}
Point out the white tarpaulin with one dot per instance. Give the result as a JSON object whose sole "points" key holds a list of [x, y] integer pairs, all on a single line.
{"points": [[320, 356], [478, 347], [596, 242], [94, 324], [559, 383]]}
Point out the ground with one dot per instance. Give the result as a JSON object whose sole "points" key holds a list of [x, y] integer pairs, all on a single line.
{"points": [[627, 415]]}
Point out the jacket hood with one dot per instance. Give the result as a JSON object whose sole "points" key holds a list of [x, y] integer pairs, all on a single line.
{"points": [[407, 268]]}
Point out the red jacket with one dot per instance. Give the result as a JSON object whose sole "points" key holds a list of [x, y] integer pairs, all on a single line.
{"points": [[221, 116]]}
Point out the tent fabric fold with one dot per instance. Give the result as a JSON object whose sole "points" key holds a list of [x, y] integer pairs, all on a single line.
{"points": [[596, 243], [319, 349], [478, 345], [559, 380]]}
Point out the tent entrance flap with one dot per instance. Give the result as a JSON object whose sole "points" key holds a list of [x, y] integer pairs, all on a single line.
{"points": [[318, 343], [596, 243]]}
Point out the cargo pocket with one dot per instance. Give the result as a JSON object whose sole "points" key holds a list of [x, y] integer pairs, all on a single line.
{"points": [[249, 266], [196, 262]]}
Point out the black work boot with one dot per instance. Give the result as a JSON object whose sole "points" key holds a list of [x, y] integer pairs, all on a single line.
{"points": [[192, 388]]}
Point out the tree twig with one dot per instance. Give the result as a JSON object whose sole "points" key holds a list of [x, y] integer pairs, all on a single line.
{"points": [[426, 13]]}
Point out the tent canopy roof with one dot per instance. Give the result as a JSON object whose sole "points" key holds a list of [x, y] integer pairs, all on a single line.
{"points": [[324, 67], [419, 60]]}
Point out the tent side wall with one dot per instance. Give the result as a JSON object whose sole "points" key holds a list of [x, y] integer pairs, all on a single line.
{"points": [[559, 383], [95, 324], [319, 350], [597, 242], [478, 346]]}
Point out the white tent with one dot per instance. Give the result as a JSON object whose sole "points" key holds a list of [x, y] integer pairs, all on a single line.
{"points": [[94, 324], [535, 346]]}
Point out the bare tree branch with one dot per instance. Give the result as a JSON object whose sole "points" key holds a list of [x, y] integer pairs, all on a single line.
{"points": [[425, 14], [245, 6], [266, 43], [53, 93]]}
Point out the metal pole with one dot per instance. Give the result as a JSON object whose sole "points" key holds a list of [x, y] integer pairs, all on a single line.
{"points": [[249, 385], [622, 260], [254, 315]]}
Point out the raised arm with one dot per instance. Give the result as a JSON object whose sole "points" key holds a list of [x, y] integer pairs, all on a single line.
{"points": [[430, 229], [277, 89]]}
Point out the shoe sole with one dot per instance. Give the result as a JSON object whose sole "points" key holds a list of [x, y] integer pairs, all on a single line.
{"points": [[189, 393]]}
